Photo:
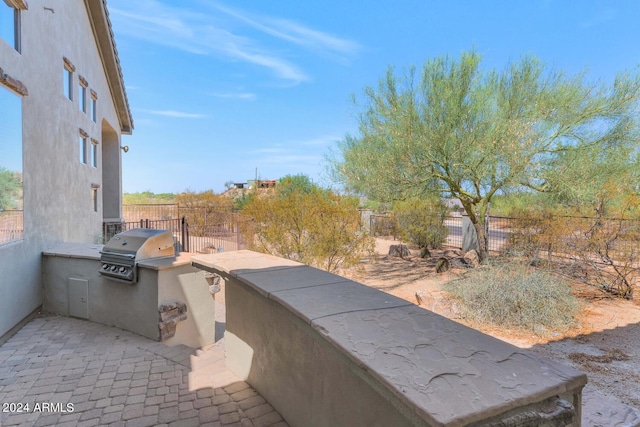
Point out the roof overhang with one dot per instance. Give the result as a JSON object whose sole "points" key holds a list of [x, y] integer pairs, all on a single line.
{"points": [[17, 4], [103, 33]]}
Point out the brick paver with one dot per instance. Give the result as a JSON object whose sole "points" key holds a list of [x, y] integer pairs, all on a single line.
{"points": [[75, 372]]}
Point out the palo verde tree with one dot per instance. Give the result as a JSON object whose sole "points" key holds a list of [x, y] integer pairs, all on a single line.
{"points": [[463, 132]]}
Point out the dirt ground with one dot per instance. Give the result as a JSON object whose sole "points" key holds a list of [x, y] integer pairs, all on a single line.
{"points": [[605, 344]]}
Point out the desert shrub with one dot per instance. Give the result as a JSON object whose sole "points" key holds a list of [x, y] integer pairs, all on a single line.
{"points": [[421, 222], [308, 224], [206, 212], [516, 296], [599, 251]]}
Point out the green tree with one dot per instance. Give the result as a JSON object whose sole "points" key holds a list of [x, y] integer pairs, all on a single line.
{"points": [[295, 183], [471, 134], [421, 222], [308, 224], [10, 185]]}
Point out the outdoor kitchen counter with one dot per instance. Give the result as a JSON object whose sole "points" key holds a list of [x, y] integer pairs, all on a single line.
{"points": [[169, 302], [87, 251], [325, 350], [75, 250]]}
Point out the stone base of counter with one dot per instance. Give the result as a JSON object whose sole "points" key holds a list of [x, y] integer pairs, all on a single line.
{"points": [[170, 315]]}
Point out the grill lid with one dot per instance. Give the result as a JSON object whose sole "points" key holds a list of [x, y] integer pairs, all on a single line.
{"points": [[121, 254], [142, 243]]}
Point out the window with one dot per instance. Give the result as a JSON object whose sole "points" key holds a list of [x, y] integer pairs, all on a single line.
{"points": [[82, 140], [94, 196], [94, 153], [94, 102], [11, 191], [10, 25], [82, 94], [67, 78]]}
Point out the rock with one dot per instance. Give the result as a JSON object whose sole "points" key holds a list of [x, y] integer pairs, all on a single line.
{"points": [[461, 262], [473, 257], [170, 315], [399, 251], [442, 265], [452, 253], [214, 282]]}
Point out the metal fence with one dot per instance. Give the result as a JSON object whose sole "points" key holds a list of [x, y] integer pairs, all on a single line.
{"points": [[197, 230], [552, 233], [177, 227], [11, 226]]}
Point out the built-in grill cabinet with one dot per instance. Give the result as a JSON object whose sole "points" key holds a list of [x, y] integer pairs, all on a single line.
{"points": [[121, 254]]}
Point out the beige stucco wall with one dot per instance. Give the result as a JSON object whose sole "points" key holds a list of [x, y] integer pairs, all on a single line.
{"points": [[326, 351], [57, 187]]}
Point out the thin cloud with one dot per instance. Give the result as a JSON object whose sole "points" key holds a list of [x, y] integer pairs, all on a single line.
{"points": [[234, 95], [177, 114], [207, 32], [295, 33], [321, 141]]}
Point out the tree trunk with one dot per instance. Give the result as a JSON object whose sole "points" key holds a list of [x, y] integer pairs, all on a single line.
{"points": [[483, 240], [478, 222]]}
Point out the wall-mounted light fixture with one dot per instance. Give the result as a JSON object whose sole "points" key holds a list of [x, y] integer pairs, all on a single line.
{"points": [[124, 148]]}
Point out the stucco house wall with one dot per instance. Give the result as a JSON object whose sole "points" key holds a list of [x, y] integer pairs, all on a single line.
{"points": [[58, 203]]}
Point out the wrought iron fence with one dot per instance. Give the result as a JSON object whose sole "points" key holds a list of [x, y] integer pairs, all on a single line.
{"points": [[200, 230], [177, 227], [11, 226], [552, 234], [153, 212]]}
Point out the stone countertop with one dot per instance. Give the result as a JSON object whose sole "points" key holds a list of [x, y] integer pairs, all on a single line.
{"points": [[448, 373], [92, 252], [75, 250], [182, 259]]}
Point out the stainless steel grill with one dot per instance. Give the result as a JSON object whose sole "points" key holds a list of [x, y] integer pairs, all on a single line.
{"points": [[120, 255]]}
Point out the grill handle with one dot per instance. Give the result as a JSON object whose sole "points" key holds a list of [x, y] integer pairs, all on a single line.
{"points": [[116, 254]]}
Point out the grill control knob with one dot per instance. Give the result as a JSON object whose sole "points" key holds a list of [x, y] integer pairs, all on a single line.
{"points": [[123, 269], [105, 266], [114, 267]]}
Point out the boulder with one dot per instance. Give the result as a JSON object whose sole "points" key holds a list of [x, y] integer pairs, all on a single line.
{"points": [[442, 265], [399, 251], [473, 257]]}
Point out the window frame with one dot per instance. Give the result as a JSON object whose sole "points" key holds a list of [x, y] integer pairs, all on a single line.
{"points": [[82, 93], [94, 153], [82, 146], [94, 197], [67, 78], [93, 107]]}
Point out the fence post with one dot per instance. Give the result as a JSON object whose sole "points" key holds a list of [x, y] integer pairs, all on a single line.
{"points": [[185, 234], [237, 227]]}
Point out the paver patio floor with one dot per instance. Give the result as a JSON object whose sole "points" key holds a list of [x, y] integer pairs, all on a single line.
{"points": [[75, 372]]}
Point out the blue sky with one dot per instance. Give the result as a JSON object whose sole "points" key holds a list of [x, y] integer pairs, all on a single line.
{"points": [[218, 89]]}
